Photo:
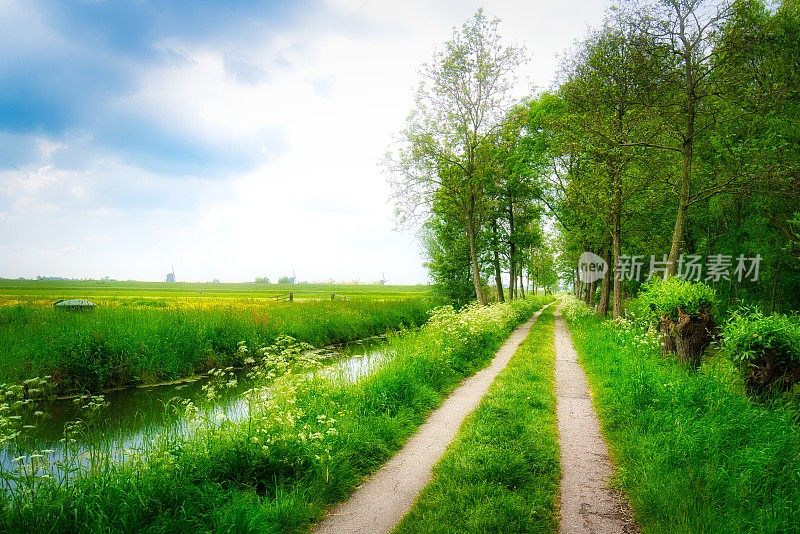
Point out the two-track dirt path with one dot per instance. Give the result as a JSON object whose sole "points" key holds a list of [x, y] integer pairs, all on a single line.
{"points": [[588, 503], [382, 501]]}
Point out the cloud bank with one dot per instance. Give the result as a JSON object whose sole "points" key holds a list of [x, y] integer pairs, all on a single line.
{"points": [[233, 141]]}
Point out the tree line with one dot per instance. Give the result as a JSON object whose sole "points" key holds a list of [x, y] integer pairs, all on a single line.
{"points": [[671, 135]]}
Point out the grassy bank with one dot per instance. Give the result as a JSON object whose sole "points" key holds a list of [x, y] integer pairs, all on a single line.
{"points": [[120, 344], [694, 454], [307, 443], [501, 473]]}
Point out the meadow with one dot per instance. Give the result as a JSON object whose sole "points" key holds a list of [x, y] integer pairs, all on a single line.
{"points": [[158, 294], [153, 332], [308, 441]]}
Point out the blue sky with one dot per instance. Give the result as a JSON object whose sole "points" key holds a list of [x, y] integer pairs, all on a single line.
{"points": [[233, 139]]}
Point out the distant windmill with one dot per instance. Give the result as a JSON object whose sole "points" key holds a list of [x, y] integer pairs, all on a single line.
{"points": [[171, 276], [383, 280], [293, 279]]}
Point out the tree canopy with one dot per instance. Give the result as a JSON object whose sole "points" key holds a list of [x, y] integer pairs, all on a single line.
{"points": [[669, 147]]}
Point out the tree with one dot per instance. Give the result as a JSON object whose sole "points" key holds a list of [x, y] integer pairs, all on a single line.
{"points": [[448, 260], [462, 98], [683, 58], [542, 268], [604, 88]]}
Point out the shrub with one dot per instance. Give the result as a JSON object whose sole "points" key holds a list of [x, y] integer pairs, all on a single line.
{"points": [[683, 312], [766, 348], [660, 298], [574, 308]]}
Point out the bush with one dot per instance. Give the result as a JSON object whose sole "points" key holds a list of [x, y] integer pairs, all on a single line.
{"points": [[683, 312], [574, 308], [670, 297], [766, 348]]}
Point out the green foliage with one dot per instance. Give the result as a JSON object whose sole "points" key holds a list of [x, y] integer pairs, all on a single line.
{"points": [[448, 263], [693, 453], [501, 472], [749, 334], [574, 308], [766, 348], [664, 298], [654, 125]]}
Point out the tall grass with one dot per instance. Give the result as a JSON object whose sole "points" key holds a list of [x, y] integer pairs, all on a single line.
{"points": [[501, 474], [307, 443], [118, 345], [694, 454]]}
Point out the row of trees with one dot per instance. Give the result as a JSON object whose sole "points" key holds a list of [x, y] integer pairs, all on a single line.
{"points": [[465, 166], [677, 133], [673, 131]]}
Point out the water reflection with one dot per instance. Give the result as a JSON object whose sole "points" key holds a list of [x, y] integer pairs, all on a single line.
{"points": [[136, 417]]}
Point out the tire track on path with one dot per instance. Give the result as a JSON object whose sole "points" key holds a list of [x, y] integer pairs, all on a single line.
{"points": [[588, 503]]}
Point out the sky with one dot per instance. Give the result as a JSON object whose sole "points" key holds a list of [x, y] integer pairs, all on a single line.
{"points": [[229, 139]]}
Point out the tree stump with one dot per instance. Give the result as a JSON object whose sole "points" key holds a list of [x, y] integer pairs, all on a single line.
{"points": [[771, 372], [687, 337]]}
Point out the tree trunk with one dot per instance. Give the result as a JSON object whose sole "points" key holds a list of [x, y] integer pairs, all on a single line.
{"points": [[680, 220], [512, 250], [771, 372], [687, 337], [687, 152], [473, 256], [602, 307], [498, 277], [589, 293], [521, 283], [615, 253], [512, 282]]}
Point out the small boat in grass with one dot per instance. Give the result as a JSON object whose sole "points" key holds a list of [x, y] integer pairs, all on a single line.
{"points": [[74, 304]]}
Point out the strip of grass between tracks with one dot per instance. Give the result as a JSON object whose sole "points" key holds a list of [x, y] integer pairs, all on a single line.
{"points": [[501, 473]]}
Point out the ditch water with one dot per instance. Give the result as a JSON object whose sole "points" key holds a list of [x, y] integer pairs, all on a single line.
{"points": [[137, 416]]}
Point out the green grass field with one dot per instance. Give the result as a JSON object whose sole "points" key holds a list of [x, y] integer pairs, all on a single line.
{"points": [[161, 293], [150, 332]]}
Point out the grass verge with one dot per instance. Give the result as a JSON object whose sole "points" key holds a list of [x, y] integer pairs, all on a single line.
{"points": [[694, 454], [501, 474], [307, 443], [116, 345]]}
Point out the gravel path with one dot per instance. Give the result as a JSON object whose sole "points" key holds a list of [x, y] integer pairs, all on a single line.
{"points": [[381, 502], [588, 504]]}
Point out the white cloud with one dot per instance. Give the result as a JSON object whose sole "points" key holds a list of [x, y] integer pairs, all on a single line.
{"points": [[316, 201]]}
